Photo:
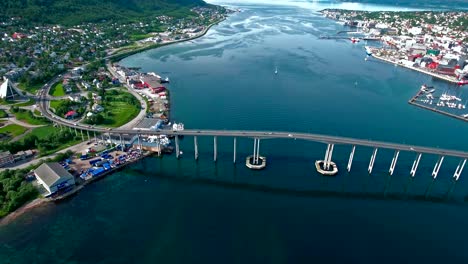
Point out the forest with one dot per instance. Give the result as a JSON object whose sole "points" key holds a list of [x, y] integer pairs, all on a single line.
{"points": [[73, 12]]}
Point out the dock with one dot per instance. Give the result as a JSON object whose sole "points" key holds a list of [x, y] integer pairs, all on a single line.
{"points": [[413, 101]]}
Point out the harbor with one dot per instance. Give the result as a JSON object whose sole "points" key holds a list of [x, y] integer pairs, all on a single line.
{"points": [[425, 99]]}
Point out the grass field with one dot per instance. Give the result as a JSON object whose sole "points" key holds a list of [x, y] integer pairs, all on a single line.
{"points": [[57, 90], [137, 37], [54, 104], [121, 113], [31, 88], [3, 114], [28, 117], [13, 130], [45, 132], [28, 103]]}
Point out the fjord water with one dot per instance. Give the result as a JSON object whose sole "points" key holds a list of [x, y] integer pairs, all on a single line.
{"points": [[182, 211]]}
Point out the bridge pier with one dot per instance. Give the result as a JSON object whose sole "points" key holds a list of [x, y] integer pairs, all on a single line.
{"points": [[372, 160], [195, 142], [323, 166], [95, 138], [234, 158], [394, 162], [82, 137], [87, 132], [215, 148], [459, 169], [255, 161], [415, 164], [121, 143], [351, 156], [76, 132], [177, 146], [437, 166]]}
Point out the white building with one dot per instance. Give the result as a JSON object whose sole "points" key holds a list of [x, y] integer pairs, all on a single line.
{"points": [[53, 177]]}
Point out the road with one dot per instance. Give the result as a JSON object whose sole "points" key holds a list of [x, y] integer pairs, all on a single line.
{"points": [[79, 148]]}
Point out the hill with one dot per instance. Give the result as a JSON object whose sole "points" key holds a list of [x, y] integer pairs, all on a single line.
{"points": [[71, 12]]}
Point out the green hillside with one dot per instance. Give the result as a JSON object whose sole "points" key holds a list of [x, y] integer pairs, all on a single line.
{"points": [[70, 12]]}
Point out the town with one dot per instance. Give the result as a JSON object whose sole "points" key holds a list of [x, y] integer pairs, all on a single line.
{"points": [[434, 43], [74, 68]]}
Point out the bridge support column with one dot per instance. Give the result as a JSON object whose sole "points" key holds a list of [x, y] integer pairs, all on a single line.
{"points": [[110, 138], [95, 138], [69, 129], [234, 158], [215, 148], [394, 162], [195, 142], [76, 132], [351, 156], [255, 161], [121, 143], [258, 151], [87, 132], [372, 160], [415, 164], [177, 146], [328, 156], [323, 166], [82, 137], [459, 169], [437, 167]]}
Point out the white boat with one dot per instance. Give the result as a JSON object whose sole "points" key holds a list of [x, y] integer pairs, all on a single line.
{"points": [[276, 70], [427, 89], [368, 51]]}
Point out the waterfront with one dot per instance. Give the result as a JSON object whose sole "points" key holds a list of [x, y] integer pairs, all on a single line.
{"points": [[226, 80]]}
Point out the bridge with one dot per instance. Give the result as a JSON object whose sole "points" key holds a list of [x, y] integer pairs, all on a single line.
{"points": [[255, 161]]}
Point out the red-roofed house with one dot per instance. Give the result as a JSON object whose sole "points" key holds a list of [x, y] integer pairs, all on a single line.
{"points": [[71, 114]]}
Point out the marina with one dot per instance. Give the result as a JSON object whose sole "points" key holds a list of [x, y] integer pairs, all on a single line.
{"points": [[425, 99]]}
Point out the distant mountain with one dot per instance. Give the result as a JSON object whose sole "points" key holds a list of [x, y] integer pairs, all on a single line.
{"points": [[71, 12]]}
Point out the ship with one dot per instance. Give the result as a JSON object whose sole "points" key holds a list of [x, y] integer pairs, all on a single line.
{"points": [[165, 80], [368, 51]]}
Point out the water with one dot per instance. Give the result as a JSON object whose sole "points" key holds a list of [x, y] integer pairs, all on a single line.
{"points": [[182, 211]]}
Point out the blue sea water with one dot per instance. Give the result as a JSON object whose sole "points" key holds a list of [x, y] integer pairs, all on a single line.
{"points": [[182, 211]]}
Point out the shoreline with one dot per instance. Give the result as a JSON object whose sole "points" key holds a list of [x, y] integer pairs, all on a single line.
{"points": [[42, 201], [435, 75], [23, 209], [119, 57]]}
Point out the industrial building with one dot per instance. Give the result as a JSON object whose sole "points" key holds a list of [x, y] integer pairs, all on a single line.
{"points": [[54, 177]]}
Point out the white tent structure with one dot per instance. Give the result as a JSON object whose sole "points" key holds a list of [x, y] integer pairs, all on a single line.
{"points": [[8, 91]]}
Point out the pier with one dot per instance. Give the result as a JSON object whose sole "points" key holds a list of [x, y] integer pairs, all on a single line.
{"points": [[413, 101]]}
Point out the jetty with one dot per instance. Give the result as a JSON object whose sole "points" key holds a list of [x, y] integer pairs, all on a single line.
{"points": [[413, 101]]}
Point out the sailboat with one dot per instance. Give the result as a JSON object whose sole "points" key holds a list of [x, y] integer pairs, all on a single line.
{"points": [[276, 70]]}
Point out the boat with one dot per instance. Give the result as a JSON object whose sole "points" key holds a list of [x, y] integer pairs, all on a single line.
{"points": [[165, 80], [368, 51], [276, 70], [355, 40], [427, 89]]}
